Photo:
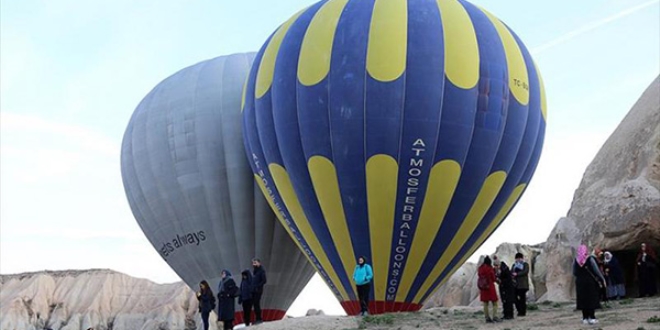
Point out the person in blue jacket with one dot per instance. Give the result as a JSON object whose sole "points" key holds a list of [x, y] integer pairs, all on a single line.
{"points": [[362, 277]]}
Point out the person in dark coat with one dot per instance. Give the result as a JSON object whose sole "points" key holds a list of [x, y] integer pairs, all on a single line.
{"points": [[520, 272], [507, 288], [258, 282], [646, 267], [486, 285], [600, 261], [588, 281], [227, 291], [245, 296], [206, 302], [616, 288]]}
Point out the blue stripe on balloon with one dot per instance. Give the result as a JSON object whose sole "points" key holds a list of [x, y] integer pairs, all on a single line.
{"points": [[424, 82], [297, 143], [346, 85], [488, 129]]}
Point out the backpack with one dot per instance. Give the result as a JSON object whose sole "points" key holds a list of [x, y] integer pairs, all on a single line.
{"points": [[483, 283]]}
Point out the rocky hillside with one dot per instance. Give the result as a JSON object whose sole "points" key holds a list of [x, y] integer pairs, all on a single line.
{"points": [[617, 205], [103, 299]]}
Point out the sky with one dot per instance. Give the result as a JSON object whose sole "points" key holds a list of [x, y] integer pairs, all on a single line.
{"points": [[72, 73]]}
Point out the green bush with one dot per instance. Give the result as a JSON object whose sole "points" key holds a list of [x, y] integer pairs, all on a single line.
{"points": [[532, 307], [653, 319], [546, 302], [627, 301], [379, 319]]}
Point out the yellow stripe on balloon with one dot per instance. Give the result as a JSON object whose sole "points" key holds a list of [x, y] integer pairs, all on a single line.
{"points": [[544, 105], [461, 47], [316, 49], [388, 40], [326, 186], [442, 184], [382, 173], [285, 188], [482, 203], [267, 64], [518, 78], [510, 202]]}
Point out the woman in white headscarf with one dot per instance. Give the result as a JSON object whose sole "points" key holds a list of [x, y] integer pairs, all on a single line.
{"points": [[616, 288]]}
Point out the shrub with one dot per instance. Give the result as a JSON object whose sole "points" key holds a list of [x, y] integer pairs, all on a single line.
{"points": [[627, 301], [379, 319], [653, 319], [532, 307]]}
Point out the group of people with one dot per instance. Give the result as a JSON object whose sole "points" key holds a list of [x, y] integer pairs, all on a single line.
{"points": [[248, 293], [599, 277], [513, 285]]}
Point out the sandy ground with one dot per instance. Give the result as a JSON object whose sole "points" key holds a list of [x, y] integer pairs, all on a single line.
{"points": [[630, 314]]}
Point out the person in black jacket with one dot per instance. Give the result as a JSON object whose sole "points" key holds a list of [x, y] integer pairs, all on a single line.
{"points": [[588, 281], [206, 302], [258, 282], [507, 288], [227, 291], [245, 295]]}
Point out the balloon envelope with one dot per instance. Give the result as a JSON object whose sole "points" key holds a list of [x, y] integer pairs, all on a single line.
{"points": [[191, 190], [402, 131]]}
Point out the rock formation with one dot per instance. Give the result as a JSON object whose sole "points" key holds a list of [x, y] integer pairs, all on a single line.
{"points": [[314, 312], [103, 299], [617, 205]]}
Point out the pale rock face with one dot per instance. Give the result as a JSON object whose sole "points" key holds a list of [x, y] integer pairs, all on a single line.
{"points": [[103, 299], [617, 205]]}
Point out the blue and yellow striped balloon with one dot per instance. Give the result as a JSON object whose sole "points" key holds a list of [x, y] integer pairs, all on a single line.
{"points": [[404, 131]]}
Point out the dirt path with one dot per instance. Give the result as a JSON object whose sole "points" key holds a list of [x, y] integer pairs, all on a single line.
{"points": [[630, 314]]}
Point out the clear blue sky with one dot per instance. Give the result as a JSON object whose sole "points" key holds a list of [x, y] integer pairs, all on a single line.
{"points": [[72, 72]]}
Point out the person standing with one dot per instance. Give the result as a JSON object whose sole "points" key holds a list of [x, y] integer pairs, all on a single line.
{"points": [[206, 302], [362, 276], [646, 266], [227, 291], [486, 285], [616, 288], [507, 288], [245, 296], [600, 261], [520, 274], [588, 281], [258, 282]]}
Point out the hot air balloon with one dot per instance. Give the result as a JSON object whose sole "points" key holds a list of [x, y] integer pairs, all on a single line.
{"points": [[191, 190], [404, 131]]}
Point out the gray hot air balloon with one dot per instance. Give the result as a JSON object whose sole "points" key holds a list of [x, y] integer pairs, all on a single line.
{"points": [[191, 188]]}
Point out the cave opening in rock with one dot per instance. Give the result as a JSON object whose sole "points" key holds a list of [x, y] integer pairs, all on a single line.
{"points": [[628, 261]]}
